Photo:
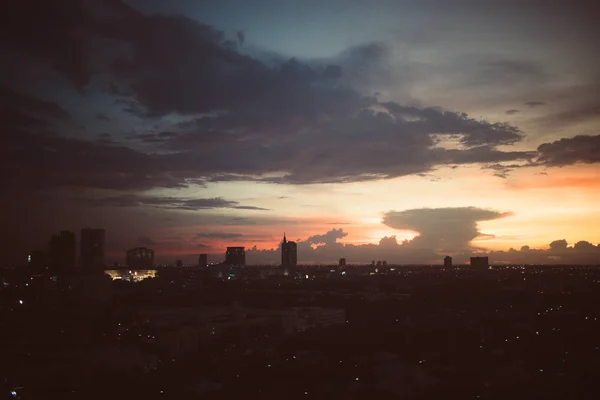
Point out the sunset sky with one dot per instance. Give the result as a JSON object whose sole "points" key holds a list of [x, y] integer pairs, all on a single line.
{"points": [[371, 130]]}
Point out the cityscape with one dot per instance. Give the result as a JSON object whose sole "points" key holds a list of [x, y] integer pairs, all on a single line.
{"points": [[300, 199]]}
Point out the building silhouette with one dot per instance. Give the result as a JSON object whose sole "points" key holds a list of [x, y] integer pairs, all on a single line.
{"points": [[235, 256], [140, 258], [342, 262], [480, 262], [179, 263], [448, 262], [289, 253], [203, 260], [92, 248], [62, 252]]}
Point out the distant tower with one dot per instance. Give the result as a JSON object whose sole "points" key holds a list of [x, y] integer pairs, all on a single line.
{"points": [[342, 262], [179, 263], [235, 256], [203, 260], [92, 248], [289, 253], [480, 262], [62, 252], [448, 262]]}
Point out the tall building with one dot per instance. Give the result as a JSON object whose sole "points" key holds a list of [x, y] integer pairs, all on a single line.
{"points": [[140, 258], [342, 262], [179, 263], [289, 253], [235, 256], [448, 262], [480, 262], [62, 253], [203, 260], [92, 248]]}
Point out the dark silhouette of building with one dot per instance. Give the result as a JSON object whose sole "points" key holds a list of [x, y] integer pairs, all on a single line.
{"points": [[342, 262], [140, 258], [203, 260], [289, 253], [480, 262], [92, 248], [179, 263], [448, 261], [62, 253], [235, 256]]}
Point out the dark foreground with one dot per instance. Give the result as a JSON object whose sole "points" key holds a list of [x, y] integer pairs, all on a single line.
{"points": [[412, 333]]}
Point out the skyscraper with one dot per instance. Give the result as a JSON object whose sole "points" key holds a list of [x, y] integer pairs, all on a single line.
{"points": [[92, 248], [203, 260], [62, 252], [235, 256], [140, 258], [480, 262], [448, 262], [289, 253], [342, 262]]}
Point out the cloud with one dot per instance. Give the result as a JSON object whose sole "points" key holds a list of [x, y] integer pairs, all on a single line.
{"points": [[102, 117], [441, 229], [533, 104], [329, 250], [512, 112], [559, 252], [219, 235], [289, 121], [567, 151], [202, 245], [174, 203]]}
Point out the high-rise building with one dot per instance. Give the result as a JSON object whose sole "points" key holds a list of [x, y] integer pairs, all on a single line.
{"points": [[179, 263], [203, 260], [235, 256], [342, 262], [140, 258], [448, 262], [62, 253], [480, 262], [92, 248], [289, 253]]}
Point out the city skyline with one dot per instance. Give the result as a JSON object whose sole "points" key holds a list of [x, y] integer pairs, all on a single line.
{"points": [[420, 131]]}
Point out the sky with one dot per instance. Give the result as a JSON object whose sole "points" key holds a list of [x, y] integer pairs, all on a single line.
{"points": [[371, 130]]}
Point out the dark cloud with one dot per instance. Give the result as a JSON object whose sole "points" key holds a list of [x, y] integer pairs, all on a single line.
{"points": [[202, 245], [559, 252], [102, 117], [512, 112], [578, 149], [219, 235], [446, 229], [535, 103], [174, 203], [251, 208], [558, 244], [303, 120]]}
